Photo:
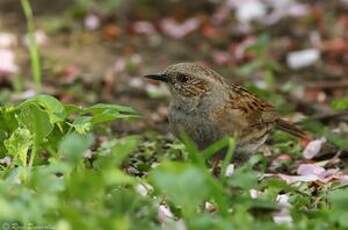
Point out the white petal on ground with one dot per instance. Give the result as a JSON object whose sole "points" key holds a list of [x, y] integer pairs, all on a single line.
{"points": [[302, 58], [120, 65], [249, 10], [283, 201], [209, 206], [174, 225], [239, 52], [310, 169], [6, 160], [7, 40], [144, 27], [229, 170], [157, 90], [168, 220], [92, 22], [255, 193], [179, 30], [282, 217], [312, 172], [136, 83], [313, 148], [164, 214], [220, 57], [40, 38], [7, 63], [284, 8], [292, 179], [24, 95], [143, 188], [344, 179], [89, 154], [136, 59]]}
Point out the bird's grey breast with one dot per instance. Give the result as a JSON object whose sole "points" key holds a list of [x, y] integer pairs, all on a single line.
{"points": [[196, 123]]}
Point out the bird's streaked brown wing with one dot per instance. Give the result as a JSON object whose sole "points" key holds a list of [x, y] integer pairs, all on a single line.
{"points": [[245, 116], [255, 110]]}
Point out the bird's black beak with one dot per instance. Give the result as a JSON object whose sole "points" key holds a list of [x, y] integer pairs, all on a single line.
{"points": [[158, 77]]}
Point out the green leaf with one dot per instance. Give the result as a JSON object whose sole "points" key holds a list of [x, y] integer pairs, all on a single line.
{"points": [[244, 178], [249, 68], [116, 176], [44, 179], [214, 148], [8, 120], [54, 109], [82, 124], [336, 139], [74, 145], [193, 153], [36, 120], [112, 154], [8, 124], [18, 144], [343, 220], [260, 45], [124, 147], [186, 185], [73, 109], [102, 113], [340, 104], [101, 108], [339, 199]]}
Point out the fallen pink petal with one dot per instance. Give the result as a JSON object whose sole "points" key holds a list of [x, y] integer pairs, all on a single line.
{"points": [[313, 148], [179, 30], [7, 63]]}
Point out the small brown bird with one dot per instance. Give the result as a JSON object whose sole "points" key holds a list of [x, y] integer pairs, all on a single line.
{"points": [[207, 108]]}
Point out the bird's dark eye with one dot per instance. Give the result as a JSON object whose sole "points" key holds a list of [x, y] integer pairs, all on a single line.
{"points": [[182, 78]]}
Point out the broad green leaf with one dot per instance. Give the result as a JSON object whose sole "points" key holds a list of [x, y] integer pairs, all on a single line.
{"points": [[337, 140], [117, 109], [82, 124], [18, 144], [185, 184], [36, 120], [73, 109], [54, 109], [118, 177], [244, 178], [102, 113], [44, 179], [112, 154], [8, 120], [339, 199], [124, 147], [74, 145]]}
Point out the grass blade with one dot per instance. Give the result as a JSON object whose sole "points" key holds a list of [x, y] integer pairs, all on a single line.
{"points": [[33, 48]]}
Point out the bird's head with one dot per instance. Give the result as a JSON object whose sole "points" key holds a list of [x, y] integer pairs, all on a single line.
{"points": [[188, 80]]}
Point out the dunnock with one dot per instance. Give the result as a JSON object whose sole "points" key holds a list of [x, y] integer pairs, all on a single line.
{"points": [[207, 108]]}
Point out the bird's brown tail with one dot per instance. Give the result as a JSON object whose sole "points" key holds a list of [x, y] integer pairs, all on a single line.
{"points": [[291, 129]]}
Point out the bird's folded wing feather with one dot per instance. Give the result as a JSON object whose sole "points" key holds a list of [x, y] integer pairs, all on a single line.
{"points": [[245, 115]]}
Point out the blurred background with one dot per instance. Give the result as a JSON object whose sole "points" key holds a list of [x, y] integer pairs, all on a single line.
{"points": [[292, 53]]}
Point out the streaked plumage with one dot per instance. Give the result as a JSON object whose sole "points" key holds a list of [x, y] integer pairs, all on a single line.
{"points": [[207, 108]]}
